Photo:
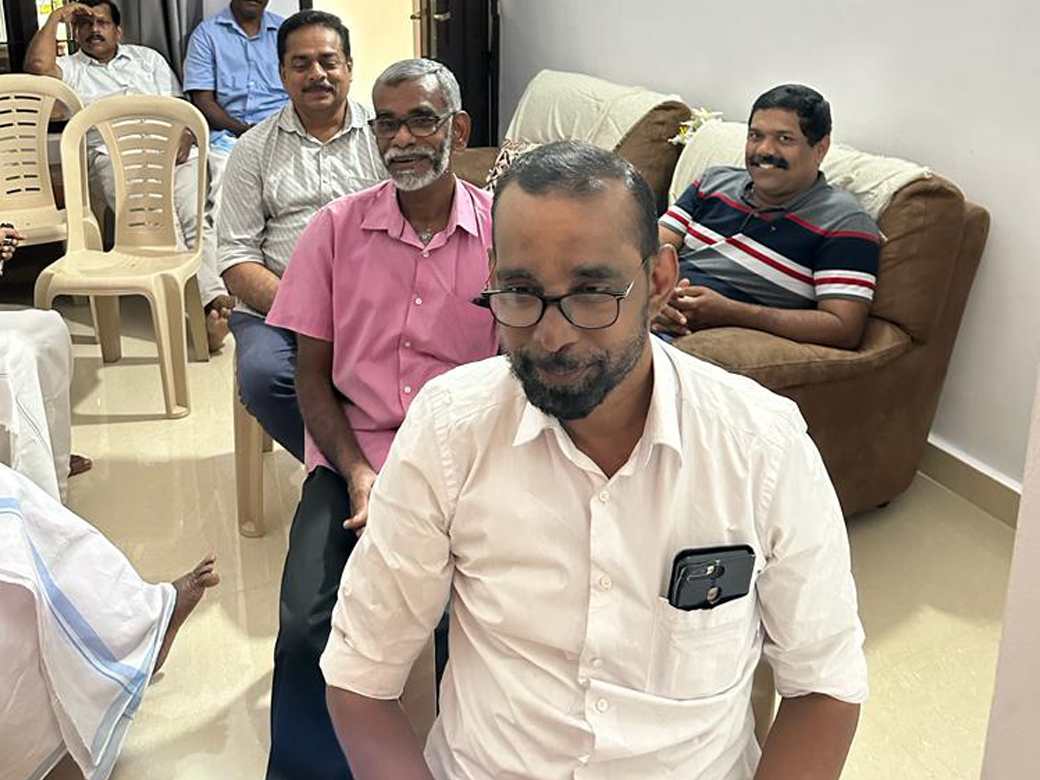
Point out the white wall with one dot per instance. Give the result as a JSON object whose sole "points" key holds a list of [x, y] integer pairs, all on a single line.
{"points": [[1012, 749], [950, 84]]}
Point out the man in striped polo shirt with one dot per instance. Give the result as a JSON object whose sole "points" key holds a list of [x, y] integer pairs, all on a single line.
{"points": [[774, 247]]}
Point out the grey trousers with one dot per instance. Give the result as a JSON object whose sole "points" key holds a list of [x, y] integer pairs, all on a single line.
{"points": [[185, 192]]}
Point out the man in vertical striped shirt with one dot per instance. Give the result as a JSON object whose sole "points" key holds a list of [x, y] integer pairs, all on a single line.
{"points": [[774, 247]]}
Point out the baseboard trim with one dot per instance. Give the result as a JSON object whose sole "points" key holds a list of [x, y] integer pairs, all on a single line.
{"points": [[971, 483]]}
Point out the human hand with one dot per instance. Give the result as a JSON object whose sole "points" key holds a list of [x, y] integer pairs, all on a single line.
{"points": [[9, 238], [702, 307], [187, 141], [67, 11], [670, 319], [359, 483]]}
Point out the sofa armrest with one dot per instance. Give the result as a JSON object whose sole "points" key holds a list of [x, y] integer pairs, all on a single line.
{"points": [[473, 164], [778, 362]]}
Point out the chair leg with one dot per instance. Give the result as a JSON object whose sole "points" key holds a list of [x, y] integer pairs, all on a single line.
{"points": [[107, 326], [249, 469], [172, 344], [42, 297], [196, 320]]}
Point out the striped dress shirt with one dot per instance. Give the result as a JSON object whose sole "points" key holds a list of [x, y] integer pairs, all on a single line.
{"points": [[279, 176]]}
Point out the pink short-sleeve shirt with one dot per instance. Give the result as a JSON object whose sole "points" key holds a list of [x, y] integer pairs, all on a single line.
{"points": [[397, 313]]}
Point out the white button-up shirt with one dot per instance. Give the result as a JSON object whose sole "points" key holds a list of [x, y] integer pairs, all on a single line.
{"points": [[135, 70], [567, 660], [279, 176]]}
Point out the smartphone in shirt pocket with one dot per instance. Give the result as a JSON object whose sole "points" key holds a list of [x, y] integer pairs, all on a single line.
{"points": [[704, 630]]}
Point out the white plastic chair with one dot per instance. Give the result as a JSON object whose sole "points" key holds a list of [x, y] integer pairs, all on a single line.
{"points": [[26, 195], [142, 135]]}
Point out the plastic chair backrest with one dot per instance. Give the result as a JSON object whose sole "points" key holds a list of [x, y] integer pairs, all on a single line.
{"points": [[26, 103], [142, 135]]}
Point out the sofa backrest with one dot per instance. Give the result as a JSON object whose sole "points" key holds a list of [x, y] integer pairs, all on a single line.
{"points": [[923, 226]]}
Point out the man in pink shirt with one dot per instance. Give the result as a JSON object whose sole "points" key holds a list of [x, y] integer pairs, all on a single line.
{"points": [[379, 294]]}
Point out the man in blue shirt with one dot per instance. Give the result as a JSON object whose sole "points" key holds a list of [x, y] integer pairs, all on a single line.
{"points": [[231, 74]]}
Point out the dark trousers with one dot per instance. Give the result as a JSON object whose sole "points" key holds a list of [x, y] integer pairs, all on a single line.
{"points": [[303, 743], [265, 364]]}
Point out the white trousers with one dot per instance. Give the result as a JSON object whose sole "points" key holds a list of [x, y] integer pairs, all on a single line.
{"points": [[79, 635], [185, 189], [35, 416]]}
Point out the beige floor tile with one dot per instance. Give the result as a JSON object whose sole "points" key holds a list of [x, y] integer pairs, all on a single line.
{"points": [[931, 571]]}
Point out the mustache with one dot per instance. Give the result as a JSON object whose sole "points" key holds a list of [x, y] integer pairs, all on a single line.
{"points": [[408, 151], [95, 37], [768, 159], [557, 361], [323, 86]]}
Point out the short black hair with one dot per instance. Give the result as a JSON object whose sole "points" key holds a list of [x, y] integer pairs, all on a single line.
{"points": [[113, 9], [580, 170], [307, 19], [814, 113]]}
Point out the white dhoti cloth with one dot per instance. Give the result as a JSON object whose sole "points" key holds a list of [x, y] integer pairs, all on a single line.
{"points": [[79, 636], [35, 417]]}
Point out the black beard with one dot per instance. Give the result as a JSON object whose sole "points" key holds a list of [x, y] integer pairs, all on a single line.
{"points": [[578, 401]]}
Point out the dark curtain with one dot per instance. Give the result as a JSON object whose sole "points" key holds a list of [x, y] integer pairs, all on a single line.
{"points": [[164, 25]]}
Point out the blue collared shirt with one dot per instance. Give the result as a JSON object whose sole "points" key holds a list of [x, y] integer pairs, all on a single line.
{"points": [[242, 70]]}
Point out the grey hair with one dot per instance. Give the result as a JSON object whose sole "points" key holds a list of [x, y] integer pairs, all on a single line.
{"points": [[407, 70]]}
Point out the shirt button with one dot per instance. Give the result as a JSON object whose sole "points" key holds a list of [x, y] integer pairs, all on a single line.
{"points": [[605, 582], [602, 705], [604, 496], [418, 301], [426, 253], [408, 345], [407, 389], [597, 663]]}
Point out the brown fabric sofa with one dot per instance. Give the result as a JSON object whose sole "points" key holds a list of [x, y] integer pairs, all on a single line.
{"points": [[870, 409]]}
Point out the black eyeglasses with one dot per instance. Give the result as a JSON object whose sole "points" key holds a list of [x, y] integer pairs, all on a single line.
{"points": [[586, 310], [420, 126]]}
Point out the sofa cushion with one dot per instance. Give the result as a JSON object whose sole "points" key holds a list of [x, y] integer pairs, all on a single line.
{"points": [[508, 153], [558, 106], [778, 362], [646, 145]]}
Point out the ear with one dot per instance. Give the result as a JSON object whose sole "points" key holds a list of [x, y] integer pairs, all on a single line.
{"points": [[821, 148], [664, 276], [119, 33], [281, 75], [350, 66], [491, 264], [461, 125]]}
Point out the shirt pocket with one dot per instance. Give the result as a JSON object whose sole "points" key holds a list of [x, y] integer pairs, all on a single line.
{"points": [[701, 652]]}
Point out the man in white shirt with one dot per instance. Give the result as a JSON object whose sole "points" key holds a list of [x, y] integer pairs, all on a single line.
{"points": [[103, 67], [549, 490]]}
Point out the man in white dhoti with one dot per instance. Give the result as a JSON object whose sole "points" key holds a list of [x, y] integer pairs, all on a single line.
{"points": [[35, 373], [80, 635]]}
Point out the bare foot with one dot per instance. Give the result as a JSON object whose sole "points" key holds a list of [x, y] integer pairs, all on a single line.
{"points": [[190, 589], [217, 313], [78, 465]]}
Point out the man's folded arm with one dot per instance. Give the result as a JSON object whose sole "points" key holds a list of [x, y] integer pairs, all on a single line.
{"points": [[814, 639], [240, 232], [392, 595]]}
